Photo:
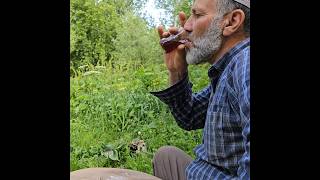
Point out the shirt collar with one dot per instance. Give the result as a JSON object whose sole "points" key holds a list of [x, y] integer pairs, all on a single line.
{"points": [[216, 69]]}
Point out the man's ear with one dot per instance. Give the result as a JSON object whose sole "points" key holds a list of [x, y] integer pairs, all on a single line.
{"points": [[233, 22]]}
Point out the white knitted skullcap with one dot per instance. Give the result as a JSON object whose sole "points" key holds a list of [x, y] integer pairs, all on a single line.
{"points": [[244, 2]]}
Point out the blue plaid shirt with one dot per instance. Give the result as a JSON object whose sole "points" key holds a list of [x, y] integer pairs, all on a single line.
{"points": [[223, 110]]}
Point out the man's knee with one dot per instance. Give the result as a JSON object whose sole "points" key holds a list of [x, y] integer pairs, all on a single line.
{"points": [[170, 162], [164, 152]]}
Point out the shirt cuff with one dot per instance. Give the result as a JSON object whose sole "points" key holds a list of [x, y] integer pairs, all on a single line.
{"points": [[178, 90]]}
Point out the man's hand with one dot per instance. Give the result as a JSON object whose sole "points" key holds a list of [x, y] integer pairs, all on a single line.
{"points": [[176, 59]]}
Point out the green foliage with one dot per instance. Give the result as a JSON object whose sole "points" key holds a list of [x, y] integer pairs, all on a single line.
{"points": [[172, 8], [93, 28], [111, 108], [136, 43], [109, 30], [183, 5]]}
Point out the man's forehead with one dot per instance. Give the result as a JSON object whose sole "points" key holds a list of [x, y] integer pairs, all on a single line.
{"points": [[203, 4]]}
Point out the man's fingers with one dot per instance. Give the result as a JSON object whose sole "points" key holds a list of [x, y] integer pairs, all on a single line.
{"points": [[165, 34], [181, 47], [160, 31], [182, 18], [173, 30]]}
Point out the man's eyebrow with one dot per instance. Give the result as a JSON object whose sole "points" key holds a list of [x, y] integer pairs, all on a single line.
{"points": [[196, 9]]}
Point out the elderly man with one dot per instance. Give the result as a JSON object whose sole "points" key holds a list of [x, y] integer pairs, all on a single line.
{"points": [[217, 32]]}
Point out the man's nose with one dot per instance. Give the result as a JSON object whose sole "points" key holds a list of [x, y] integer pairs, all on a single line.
{"points": [[188, 25]]}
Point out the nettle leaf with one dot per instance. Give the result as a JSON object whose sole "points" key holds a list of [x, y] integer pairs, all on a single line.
{"points": [[108, 147], [110, 152], [114, 155], [107, 153]]}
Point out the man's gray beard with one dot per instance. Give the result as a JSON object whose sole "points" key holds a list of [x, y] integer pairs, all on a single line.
{"points": [[207, 45]]}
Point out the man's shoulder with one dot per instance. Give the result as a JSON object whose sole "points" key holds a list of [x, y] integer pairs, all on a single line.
{"points": [[240, 60], [238, 70], [241, 57]]}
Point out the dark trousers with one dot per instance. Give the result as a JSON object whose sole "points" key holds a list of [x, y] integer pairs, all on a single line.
{"points": [[169, 163]]}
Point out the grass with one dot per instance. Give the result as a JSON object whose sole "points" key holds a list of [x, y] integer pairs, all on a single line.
{"points": [[111, 106]]}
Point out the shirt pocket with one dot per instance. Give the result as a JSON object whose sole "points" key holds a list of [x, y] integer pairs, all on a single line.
{"points": [[221, 134]]}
